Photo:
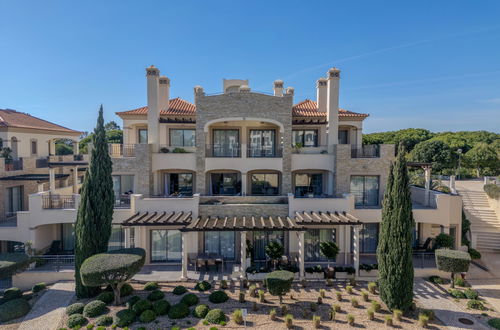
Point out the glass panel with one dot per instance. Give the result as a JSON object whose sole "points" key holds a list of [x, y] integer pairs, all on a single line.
{"points": [[307, 184], [310, 138], [365, 190], [262, 143], [174, 245], [158, 245], [14, 199], [116, 239], [143, 135], [127, 184], [313, 238], [176, 138], [262, 238], [343, 136], [265, 184], [211, 242], [371, 190], [225, 143], [225, 184], [368, 238], [189, 138], [180, 184], [357, 186], [68, 236], [297, 137], [220, 243]]}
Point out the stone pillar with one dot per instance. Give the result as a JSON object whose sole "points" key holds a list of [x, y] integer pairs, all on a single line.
{"points": [[52, 179], [184, 256], [355, 244], [428, 182], [52, 147], [244, 184], [243, 238], [76, 148], [359, 136], [153, 91], [127, 236], [301, 255], [75, 180]]}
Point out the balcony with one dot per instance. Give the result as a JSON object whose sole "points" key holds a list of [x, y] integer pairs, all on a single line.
{"points": [[223, 150], [42, 162], [365, 151], [51, 201], [264, 151], [121, 150], [14, 164]]}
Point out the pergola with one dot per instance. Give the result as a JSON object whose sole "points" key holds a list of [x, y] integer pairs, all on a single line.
{"points": [[300, 223]]}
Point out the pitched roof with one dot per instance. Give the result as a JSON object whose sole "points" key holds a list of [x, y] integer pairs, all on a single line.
{"points": [[309, 108], [15, 119], [176, 107]]}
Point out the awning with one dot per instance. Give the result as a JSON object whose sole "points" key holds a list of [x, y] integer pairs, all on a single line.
{"points": [[311, 218], [243, 223], [159, 218]]}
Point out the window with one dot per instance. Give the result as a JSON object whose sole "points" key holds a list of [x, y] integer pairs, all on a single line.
{"points": [[179, 184], [220, 242], [313, 238], [166, 245], [368, 238], [343, 136], [365, 189], [68, 236], [262, 238], [123, 186], [307, 185], [34, 147], [14, 200], [226, 143], [306, 138], [265, 184], [225, 184], [117, 238], [262, 143], [142, 135], [182, 138]]}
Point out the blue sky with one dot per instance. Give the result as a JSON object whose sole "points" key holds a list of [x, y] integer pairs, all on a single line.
{"points": [[431, 64]]}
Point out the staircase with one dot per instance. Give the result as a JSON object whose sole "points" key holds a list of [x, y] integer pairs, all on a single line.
{"points": [[485, 223]]}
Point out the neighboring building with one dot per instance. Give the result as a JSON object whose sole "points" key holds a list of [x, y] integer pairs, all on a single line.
{"points": [[240, 166]]}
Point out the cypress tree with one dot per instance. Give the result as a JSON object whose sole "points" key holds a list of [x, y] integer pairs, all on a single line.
{"points": [[394, 251], [95, 213]]}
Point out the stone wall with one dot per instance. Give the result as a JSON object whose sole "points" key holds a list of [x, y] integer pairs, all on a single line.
{"points": [[139, 166], [240, 210]]}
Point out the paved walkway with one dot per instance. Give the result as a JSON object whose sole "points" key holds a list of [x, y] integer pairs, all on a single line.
{"points": [[487, 283], [50, 308], [446, 310]]}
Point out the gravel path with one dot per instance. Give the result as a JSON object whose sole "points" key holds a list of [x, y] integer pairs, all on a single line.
{"points": [[446, 310], [49, 309]]}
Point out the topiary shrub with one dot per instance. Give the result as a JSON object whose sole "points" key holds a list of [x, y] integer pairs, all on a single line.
{"points": [[126, 289], [279, 283], [457, 294], [161, 307], [494, 323], [132, 301], [14, 309], [12, 263], [203, 286], [147, 316], [215, 316], [471, 294], [76, 320], [218, 297], [76, 308], [124, 317], [150, 286], [178, 311], [201, 311], [190, 299], [178, 290], [106, 297], [475, 304], [452, 261], [104, 320], [141, 306], [39, 287], [12, 293], [94, 308], [156, 295]]}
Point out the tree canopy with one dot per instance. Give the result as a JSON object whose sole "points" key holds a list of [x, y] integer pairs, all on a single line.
{"points": [[113, 134], [433, 151]]}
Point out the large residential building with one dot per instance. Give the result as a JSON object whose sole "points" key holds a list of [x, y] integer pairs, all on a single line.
{"points": [[218, 179]]}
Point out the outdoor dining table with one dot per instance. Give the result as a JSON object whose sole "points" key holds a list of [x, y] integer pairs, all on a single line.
{"points": [[206, 257]]}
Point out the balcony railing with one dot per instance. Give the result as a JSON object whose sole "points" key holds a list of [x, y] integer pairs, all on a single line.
{"points": [[121, 150], [42, 162], [122, 202], [58, 201], [14, 164], [223, 150], [297, 149], [263, 151], [56, 262], [365, 151]]}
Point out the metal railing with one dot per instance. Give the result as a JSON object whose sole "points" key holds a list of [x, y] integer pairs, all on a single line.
{"points": [[165, 149], [58, 201], [420, 259], [54, 262], [123, 202], [14, 164], [309, 150], [223, 150], [365, 151], [42, 162], [121, 150], [263, 152]]}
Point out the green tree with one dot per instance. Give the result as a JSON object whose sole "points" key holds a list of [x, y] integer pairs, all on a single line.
{"points": [[408, 137], [394, 252], [274, 250], [432, 151], [113, 133], [330, 250], [482, 156], [95, 213], [279, 283], [111, 126]]}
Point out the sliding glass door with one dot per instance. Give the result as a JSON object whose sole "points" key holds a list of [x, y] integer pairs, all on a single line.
{"points": [[262, 238], [166, 245], [220, 243], [262, 143], [226, 143], [313, 239], [225, 184]]}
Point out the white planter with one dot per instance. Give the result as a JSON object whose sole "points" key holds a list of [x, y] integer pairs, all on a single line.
{"points": [[371, 273], [343, 275], [256, 276], [315, 276]]}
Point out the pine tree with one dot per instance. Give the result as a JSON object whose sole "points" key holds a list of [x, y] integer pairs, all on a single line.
{"points": [[394, 251], [95, 213]]}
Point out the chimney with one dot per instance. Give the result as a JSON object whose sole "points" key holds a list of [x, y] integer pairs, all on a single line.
{"points": [[332, 106], [278, 88], [164, 92], [321, 94], [152, 76]]}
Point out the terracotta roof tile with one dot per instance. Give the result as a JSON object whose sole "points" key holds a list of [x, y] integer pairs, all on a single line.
{"points": [[309, 108], [176, 107], [15, 119]]}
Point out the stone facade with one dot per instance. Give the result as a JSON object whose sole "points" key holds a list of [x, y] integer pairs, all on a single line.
{"points": [[244, 210], [140, 167]]}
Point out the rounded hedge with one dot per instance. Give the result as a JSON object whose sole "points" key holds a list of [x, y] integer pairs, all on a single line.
{"points": [[12, 263], [104, 320], [125, 290], [141, 306], [39, 287], [14, 309], [76, 308], [178, 290], [279, 282], [215, 316], [106, 297], [218, 297], [12, 293], [76, 320], [124, 317], [156, 295], [178, 311], [150, 286], [132, 300], [494, 323], [147, 316], [190, 299], [201, 311], [94, 308], [452, 261], [161, 307], [203, 286]]}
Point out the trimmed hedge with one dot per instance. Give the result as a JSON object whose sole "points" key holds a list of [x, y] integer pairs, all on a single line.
{"points": [[76, 308], [444, 241], [106, 297], [218, 297], [201, 311], [14, 309], [39, 287], [94, 308], [12, 293], [452, 261], [132, 301], [492, 190], [126, 289], [141, 306], [474, 254], [12, 263], [150, 286], [156, 295], [279, 283], [147, 316], [76, 320], [215, 316], [161, 307], [494, 323], [124, 317], [178, 290], [104, 320], [178, 311], [190, 299], [203, 286]]}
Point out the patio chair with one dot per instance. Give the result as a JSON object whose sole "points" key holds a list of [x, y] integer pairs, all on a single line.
{"points": [[211, 262], [425, 246], [200, 263]]}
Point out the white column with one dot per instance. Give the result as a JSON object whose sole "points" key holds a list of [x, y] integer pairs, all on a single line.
{"points": [[184, 256], [332, 106], [452, 185], [76, 148], [243, 184], [52, 179], [52, 147], [301, 255], [355, 244], [331, 182], [153, 91], [75, 180], [427, 175], [127, 236], [243, 238]]}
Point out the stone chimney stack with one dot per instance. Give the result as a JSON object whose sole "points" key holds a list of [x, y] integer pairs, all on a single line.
{"points": [[278, 88], [152, 77], [332, 106], [164, 92], [321, 94]]}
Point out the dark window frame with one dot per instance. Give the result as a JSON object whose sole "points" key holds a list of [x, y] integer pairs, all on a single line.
{"points": [[183, 136], [316, 139]]}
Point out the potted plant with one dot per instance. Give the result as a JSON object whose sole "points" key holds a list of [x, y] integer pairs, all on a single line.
{"points": [[274, 250], [315, 272], [255, 273], [330, 250], [164, 150], [179, 151], [297, 147], [249, 250], [368, 270], [344, 272]]}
